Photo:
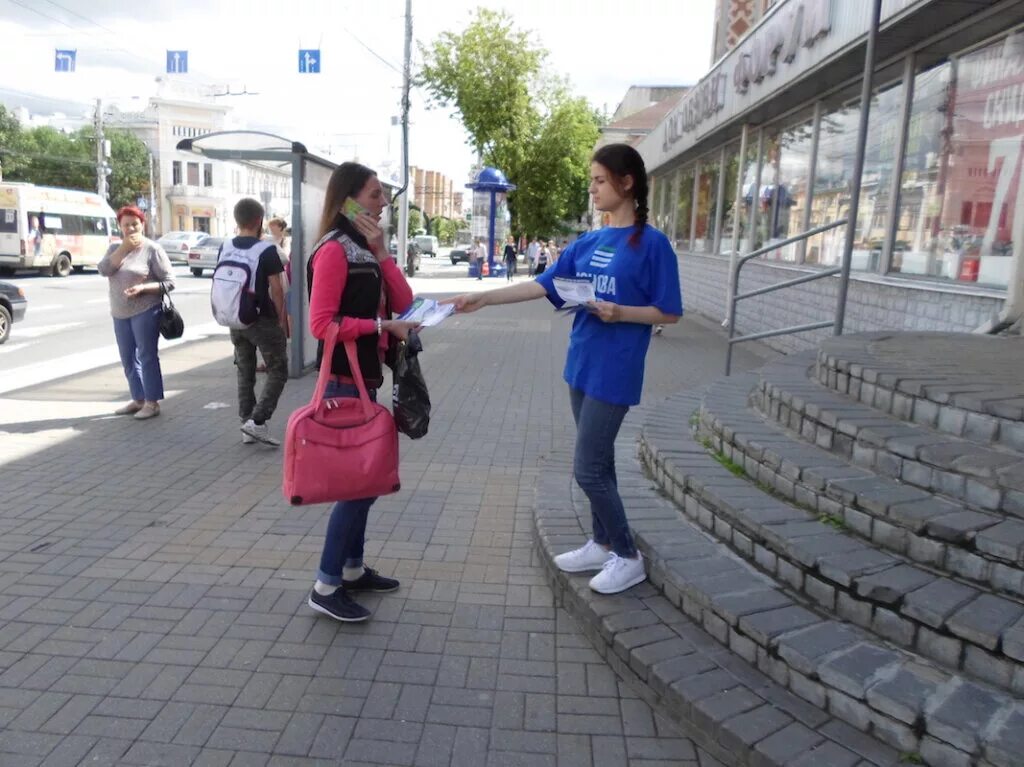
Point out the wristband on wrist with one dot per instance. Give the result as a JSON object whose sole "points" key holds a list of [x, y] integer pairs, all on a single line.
{"points": [[379, 323]]}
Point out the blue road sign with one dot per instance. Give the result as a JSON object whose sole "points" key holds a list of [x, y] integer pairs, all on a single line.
{"points": [[64, 61], [309, 61], [177, 62]]}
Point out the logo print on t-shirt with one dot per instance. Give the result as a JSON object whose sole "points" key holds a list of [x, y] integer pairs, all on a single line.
{"points": [[602, 256]]}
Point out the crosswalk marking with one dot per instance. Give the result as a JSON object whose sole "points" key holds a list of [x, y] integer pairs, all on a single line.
{"points": [[44, 330]]}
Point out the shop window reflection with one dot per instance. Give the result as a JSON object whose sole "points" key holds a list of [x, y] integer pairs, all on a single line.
{"points": [[684, 208], [961, 209], [733, 170], [783, 192], [837, 149], [707, 201]]}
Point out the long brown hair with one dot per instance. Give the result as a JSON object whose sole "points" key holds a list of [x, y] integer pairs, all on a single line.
{"points": [[622, 160], [348, 180]]}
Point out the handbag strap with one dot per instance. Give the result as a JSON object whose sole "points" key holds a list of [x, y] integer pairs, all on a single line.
{"points": [[330, 342], [165, 296]]}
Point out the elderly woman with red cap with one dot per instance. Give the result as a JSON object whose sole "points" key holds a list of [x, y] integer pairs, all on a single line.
{"points": [[138, 270]]}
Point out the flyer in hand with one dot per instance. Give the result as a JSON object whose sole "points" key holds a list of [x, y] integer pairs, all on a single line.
{"points": [[576, 293], [427, 312]]}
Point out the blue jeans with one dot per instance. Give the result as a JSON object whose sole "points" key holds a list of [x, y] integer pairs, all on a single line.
{"points": [[346, 529], [137, 337], [597, 426]]}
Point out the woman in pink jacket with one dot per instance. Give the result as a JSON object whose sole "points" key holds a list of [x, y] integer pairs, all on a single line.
{"points": [[356, 284]]}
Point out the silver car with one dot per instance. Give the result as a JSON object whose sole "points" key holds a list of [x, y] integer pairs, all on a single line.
{"points": [[204, 255], [177, 244]]}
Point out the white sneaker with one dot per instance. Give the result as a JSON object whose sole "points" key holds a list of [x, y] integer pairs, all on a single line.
{"points": [[259, 432], [619, 574], [246, 439], [590, 556]]}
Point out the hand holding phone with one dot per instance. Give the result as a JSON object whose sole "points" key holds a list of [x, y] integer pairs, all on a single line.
{"points": [[351, 209]]}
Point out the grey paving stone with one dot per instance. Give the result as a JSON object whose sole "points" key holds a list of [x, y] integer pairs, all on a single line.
{"points": [[765, 627], [1005, 746], [1004, 540], [963, 715], [982, 620], [935, 602], [740, 733], [893, 584], [856, 669], [803, 649], [903, 694], [959, 527]]}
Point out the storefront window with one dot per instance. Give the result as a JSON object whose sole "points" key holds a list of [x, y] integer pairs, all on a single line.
{"points": [[960, 198], [684, 208], [837, 149], [662, 193], [783, 194], [707, 201], [734, 169]]}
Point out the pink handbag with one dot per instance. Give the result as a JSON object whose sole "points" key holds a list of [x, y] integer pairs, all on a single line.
{"points": [[340, 449]]}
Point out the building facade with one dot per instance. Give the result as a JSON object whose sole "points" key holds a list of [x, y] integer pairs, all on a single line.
{"points": [[763, 148], [434, 193], [192, 193]]}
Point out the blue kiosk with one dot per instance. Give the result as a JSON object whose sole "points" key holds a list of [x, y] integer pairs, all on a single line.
{"points": [[489, 206]]}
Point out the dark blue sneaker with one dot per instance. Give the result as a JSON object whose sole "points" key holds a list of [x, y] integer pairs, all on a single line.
{"points": [[371, 580], [339, 606]]}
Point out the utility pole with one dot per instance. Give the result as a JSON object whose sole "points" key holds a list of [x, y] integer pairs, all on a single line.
{"points": [[403, 208], [101, 165], [151, 218]]}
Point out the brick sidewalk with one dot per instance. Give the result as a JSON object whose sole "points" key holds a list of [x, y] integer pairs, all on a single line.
{"points": [[153, 582]]}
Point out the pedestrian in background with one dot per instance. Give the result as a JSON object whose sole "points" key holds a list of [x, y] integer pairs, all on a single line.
{"points": [[531, 255], [510, 257], [635, 276], [355, 284], [542, 259], [138, 271], [268, 334]]}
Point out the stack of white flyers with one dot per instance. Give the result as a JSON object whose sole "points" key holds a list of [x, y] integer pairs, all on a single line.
{"points": [[427, 312], [576, 293]]}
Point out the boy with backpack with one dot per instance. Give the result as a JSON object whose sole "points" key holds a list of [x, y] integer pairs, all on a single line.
{"points": [[247, 296]]}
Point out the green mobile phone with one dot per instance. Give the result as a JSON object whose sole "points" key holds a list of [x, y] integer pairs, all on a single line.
{"points": [[352, 209]]}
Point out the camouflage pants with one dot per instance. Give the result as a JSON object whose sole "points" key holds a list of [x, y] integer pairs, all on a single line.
{"points": [[267, 336]]}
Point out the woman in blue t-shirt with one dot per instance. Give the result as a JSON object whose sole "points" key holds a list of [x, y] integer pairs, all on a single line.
{"points": [[635, 278]]}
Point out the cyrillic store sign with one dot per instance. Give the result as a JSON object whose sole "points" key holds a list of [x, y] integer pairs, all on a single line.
{"points": [[780, 39], [801, 24], [699, 104]]}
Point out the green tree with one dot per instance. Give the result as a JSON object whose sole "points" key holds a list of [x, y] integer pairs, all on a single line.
{"points": [[445, 229], [415, 222], [12, 159], [129, 161], [518, 117]]}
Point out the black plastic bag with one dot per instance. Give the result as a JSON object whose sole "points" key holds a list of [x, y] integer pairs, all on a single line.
{"points": [[410, 401]]}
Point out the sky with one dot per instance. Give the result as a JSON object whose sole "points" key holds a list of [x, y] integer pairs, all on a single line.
{"points": [[603, 47]]}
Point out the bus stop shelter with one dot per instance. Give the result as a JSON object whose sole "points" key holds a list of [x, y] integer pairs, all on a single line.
{"points": [[309, 176]]}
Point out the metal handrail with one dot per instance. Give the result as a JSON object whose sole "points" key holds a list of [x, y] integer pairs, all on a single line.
{"points": [[737, 296]]}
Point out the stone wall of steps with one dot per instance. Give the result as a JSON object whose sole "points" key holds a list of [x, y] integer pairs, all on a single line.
{"points": [[677, 641]]}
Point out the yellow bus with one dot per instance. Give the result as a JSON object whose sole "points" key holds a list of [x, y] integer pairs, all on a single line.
{"points": [[53, 230]]}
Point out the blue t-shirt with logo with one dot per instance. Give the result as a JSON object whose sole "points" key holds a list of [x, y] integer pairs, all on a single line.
{"points": [[606, 360]]}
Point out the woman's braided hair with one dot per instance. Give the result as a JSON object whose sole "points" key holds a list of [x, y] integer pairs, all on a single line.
{"points": [[621, 160]]}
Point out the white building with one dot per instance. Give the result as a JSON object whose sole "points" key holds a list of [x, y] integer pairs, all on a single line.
{"points": [[194, 193]]}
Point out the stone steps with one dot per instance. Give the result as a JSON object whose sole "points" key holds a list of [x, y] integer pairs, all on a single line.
{"points": [[897, 695], [735, 711], [980, 476], [931, 379], [960, 625]]}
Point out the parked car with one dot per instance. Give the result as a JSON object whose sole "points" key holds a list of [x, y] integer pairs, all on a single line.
{"points": [[459, 254], [204, 255], [428, 244], [177, 244], [12, 308]]}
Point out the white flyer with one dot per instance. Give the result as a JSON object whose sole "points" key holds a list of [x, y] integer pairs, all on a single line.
{"points": [[574, 292], [427, 312]]}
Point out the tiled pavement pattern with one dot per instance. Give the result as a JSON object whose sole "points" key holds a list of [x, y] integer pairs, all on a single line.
{"points": [[930, 657], [153, 582]]}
